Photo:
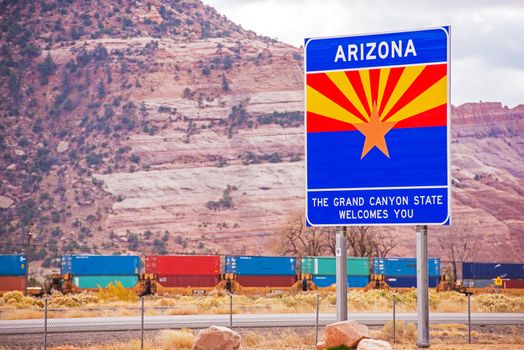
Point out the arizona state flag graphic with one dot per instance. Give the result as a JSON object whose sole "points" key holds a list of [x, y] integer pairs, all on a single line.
{"points": [[377, 145]]}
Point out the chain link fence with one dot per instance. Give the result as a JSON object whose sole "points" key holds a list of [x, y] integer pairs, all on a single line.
{"points": [[272, 322]]}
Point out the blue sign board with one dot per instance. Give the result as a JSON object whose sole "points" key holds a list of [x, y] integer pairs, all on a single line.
{"points": [[377, 129]]}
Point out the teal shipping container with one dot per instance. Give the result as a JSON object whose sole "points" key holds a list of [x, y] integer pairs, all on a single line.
{"points": [[92, 282], [326, 266]]}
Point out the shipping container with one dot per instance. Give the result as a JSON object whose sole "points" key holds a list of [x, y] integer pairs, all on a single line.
{"points": [[171, 281], [519, 283], [94, 265], [261, 265], [183, 265], [358, 281], [473, 270], [352, 281], [478, 283], [12, 283], [403, 266], [12, 265], [409, 281], [324, 265], [266, 281], [91, 282]]}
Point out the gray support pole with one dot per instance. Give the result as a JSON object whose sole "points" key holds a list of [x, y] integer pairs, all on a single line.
{"points": [[422, 287], [27, 257], [142, 325], [469, 318], [342, 276], [394, 319], [316, 320], [231, 311], [45, 324]]}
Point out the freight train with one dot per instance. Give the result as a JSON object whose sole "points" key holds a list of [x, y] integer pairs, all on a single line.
{"points": [[185, 274]]}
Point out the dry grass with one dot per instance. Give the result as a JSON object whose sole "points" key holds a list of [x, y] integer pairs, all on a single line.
{"points": [[117, 300], [406, 333]]}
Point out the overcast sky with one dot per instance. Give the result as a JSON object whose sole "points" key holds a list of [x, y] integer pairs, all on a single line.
{"points": [[487, 36]]}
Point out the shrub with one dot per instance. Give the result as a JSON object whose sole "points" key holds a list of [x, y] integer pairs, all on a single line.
{"points": [[46, 68], [100, 53]]}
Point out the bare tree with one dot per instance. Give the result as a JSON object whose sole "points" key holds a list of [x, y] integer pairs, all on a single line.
{"points": [[364, 241], [457, 245], [296, 239]]}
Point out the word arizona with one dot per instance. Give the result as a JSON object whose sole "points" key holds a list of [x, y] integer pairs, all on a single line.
{"points": [[372, 50]]}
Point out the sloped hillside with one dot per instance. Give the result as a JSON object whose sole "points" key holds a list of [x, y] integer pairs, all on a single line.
{"points": [[96, 91]]}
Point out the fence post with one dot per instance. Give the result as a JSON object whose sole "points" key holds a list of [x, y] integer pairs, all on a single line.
{"points": [[45, 323], [231, 311], [394, 319], [469, 318], [316, 320], [142, 324]]}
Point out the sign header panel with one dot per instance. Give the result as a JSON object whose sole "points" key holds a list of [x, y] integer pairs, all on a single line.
{"points": [[377, 129]]}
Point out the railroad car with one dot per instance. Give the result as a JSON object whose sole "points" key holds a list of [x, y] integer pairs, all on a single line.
{"points": [[261, 271]]}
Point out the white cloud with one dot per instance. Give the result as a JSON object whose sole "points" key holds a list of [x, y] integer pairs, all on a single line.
{"points": [[487, 36]]}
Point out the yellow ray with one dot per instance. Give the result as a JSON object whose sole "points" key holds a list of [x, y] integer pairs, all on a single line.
{"points": [[342, 82], [384, 75], [320, 104], [408, 76], [364, 77], [434, 96]]}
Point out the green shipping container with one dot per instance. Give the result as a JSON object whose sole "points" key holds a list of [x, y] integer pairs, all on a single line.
{"points": [[325, 266], [91, 282]]}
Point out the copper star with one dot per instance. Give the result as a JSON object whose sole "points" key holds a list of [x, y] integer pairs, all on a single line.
{"points": [[375, 131]]}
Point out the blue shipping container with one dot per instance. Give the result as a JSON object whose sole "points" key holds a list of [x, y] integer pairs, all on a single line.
{"points": [[12, 265], [403, 266], [472, 270], [409, 281], [261, 265], [353, 281], [93, 265]]}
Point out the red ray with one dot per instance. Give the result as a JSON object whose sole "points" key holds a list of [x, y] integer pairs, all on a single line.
{"points": [[393, 77], [434, 117], [354, 79], [374, 77], [326, 87], [319, 123], [429, 76]]}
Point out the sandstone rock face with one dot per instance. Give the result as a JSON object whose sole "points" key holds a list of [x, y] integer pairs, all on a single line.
{"points": [[5, 202], [348, 333], [217, 338], [373, 344], [321, 345]]}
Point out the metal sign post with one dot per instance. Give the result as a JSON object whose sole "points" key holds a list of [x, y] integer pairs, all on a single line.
{"points": [[422, 287], [341, 266]]}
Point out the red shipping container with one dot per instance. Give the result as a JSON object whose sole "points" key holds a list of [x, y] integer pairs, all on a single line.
{"points": [[182, 281], [513, 284], [266, 281], [183, 264], [10, 283]]}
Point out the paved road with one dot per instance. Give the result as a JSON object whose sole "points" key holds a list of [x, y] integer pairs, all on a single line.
{"points": [[90, 324]]}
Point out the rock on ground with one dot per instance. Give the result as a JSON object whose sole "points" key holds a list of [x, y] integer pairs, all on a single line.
{"points": [[373, 344], [217, 338], [5, 202], [348, 333]]}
